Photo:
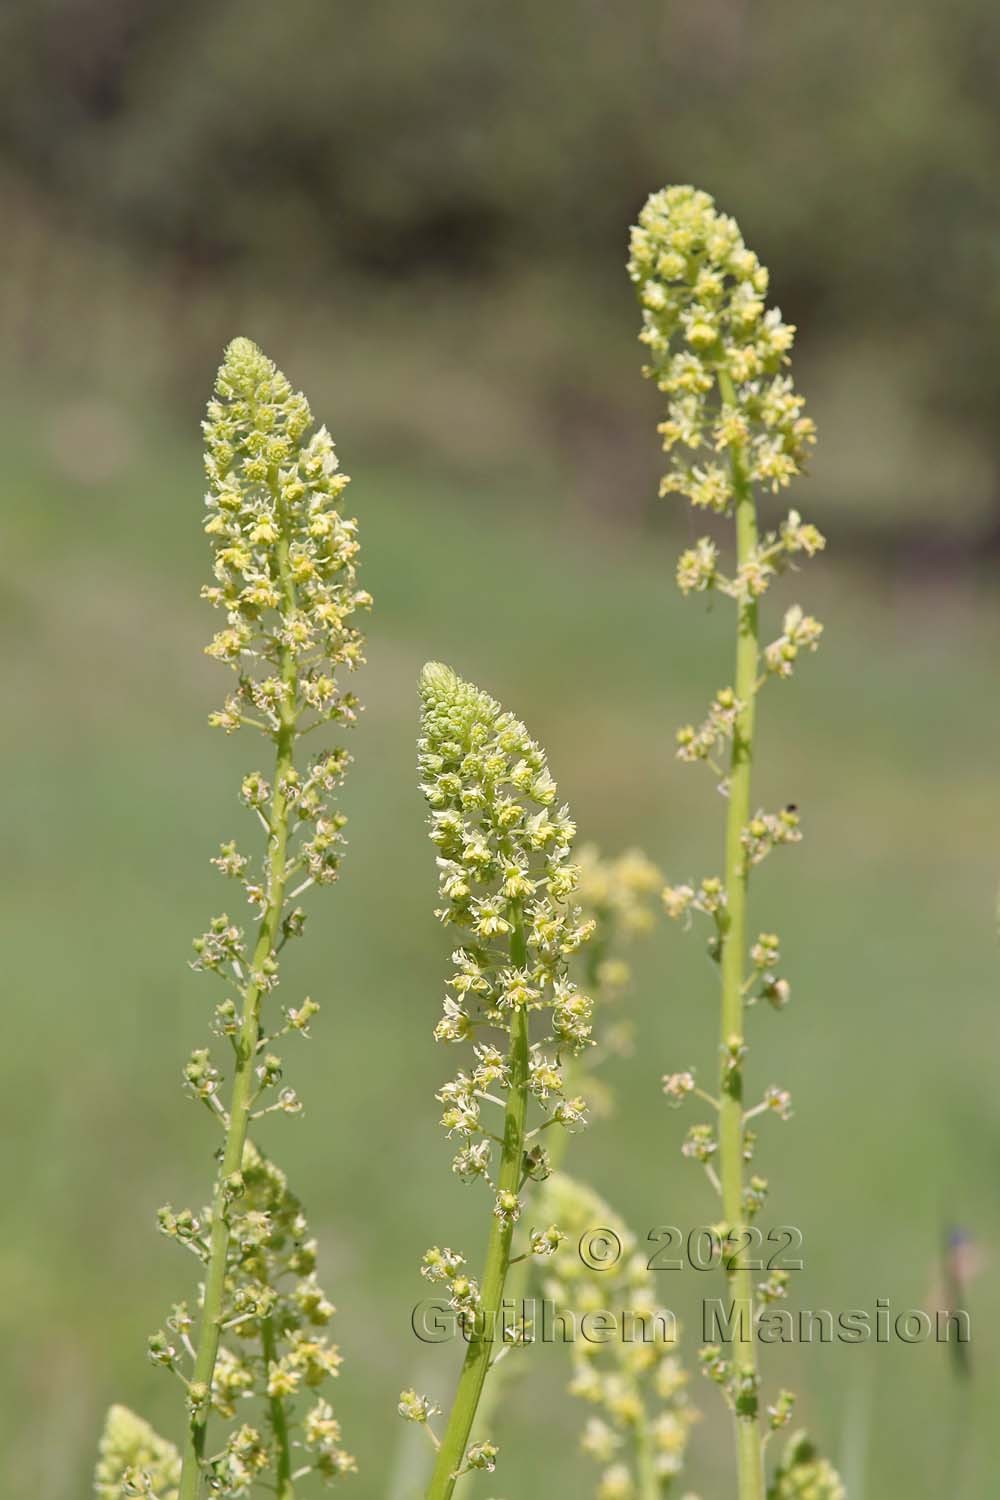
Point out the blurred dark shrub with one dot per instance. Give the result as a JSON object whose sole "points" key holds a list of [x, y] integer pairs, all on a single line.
{"points": [[857, 143]]}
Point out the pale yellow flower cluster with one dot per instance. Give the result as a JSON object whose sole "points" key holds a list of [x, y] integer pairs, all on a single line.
{"points": [[631, 1376], [702, 293], [506, 879]]}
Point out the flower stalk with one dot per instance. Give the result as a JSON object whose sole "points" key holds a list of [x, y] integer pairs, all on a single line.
{"points": [[285, 578], [506, 881], [734, 424]]}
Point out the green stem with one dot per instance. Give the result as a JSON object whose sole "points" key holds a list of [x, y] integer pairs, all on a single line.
{"points": [[516, 1286], [241, 1103], [515, 1294], [649, 1484], [734, 945], [284, 1488], [475, 1368], [518, 1279]]}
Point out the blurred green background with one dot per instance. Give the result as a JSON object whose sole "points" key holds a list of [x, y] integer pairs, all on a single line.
{"points": [[421, 213]]}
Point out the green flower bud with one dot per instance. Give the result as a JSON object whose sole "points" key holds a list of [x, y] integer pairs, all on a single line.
{"points": [[803, 1475]]}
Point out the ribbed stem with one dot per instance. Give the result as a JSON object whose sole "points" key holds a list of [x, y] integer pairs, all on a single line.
{"points": [[734, 947], [475, 1368], [241, 1101]]}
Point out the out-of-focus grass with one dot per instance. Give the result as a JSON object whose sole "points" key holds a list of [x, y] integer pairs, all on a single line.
{"points": [[116, 795]]}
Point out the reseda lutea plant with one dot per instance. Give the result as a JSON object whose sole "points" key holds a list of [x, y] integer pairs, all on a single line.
{"points": [[734, 423], [507, 883], [285, 577]]}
